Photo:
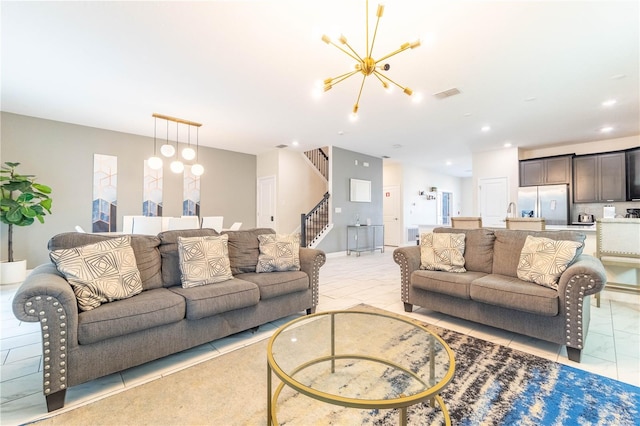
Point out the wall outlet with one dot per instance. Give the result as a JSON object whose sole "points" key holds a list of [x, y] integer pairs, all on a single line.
{"points": [[355, 237], [338, 209], [356, 162], [365, 164]]}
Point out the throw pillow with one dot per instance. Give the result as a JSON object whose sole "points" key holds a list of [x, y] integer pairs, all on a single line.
{"points": [[442, 252], [204, 260], [543, 260], [278, 253], [101, 272]]}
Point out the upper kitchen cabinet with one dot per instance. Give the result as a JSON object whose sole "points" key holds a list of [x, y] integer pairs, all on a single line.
{"points": [[633, 174], [599, 178], [545, 171]]}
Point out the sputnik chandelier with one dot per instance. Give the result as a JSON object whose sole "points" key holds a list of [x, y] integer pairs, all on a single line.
{"points": [[367, 65], [168, 150]]}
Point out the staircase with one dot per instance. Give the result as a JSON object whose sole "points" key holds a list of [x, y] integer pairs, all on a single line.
{"points": [[316, 222]]}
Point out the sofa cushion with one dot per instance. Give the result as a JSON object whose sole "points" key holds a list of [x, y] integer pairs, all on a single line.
{"points": [[478, 253], [512, 293], [145, 248], [100, 272], [208, 300], [244, 249], [203, 260], [442, 252], [151, 308], [169, 252], [457, 285], [277, 283], [543, 260], [509, 243], [278, 253]]}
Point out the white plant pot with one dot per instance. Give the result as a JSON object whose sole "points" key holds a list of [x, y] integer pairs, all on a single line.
{"points": [[13, 272]]}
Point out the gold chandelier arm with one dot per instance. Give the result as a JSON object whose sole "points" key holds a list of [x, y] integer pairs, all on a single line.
{"points": [[343, 40], [328, 40], [355, 107], [384, 83], [404, 47], [330, 82], [375, 31], [404, 89]]}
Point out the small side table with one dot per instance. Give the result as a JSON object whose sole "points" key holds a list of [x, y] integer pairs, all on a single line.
{"points": [[366, 237]]}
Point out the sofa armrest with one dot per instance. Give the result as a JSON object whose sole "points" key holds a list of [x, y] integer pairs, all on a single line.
{"points": [[310, 262], [46, 297], [409, 260], [584, 277]]}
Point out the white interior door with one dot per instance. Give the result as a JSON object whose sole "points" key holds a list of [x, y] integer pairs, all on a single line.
{"points": [[493, 196], [266, 202], [391, 211]]}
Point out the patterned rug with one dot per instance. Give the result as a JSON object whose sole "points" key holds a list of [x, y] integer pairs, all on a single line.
{"points": [[493, 385]]}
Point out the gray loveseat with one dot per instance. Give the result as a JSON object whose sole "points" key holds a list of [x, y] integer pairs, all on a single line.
{"points": [[491, 293], [164, 318]]}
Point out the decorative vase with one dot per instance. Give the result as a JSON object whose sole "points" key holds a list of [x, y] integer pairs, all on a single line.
{"points": [[13, 272]]}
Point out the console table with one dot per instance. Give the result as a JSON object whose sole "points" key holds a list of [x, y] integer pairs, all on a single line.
{"points": [[365, 238]]}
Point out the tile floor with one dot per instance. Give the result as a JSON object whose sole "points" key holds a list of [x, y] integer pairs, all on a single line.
{"points": [[612, 349]]}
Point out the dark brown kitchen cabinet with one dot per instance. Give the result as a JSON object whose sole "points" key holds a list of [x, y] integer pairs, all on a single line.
{"points": [[599, 178], [545, 171]]}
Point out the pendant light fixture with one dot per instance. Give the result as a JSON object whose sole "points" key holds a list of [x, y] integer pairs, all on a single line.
{"points": [[197, 168], [168, 150], [176, 165], [154, 162]]}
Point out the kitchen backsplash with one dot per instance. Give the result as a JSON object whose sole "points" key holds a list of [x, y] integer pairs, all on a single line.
{"points": [[597, 209]]}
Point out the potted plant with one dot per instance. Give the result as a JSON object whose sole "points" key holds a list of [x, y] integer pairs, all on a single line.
{"points": [[23, 200]]}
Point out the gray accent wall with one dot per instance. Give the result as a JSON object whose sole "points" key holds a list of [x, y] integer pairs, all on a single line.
{"points": [[343, 168], [61, 156]]}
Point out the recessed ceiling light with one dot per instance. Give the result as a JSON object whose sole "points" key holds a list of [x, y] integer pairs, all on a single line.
{"points": [[618, 76], [485, 128], [448, 163], [295, 143], [606, 129], [467, 114], [530, 99], [396, 145], [507, 145], [609, 103], [341, 132]]}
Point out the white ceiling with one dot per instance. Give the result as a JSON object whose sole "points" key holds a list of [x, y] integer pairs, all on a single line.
{"points": [[537, 72]]}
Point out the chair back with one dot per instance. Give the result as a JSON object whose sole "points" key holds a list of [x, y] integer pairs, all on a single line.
{"points": [[462, 222], [186, 222], [213, 222], [147, 225], [526, 223], [618, 237]]}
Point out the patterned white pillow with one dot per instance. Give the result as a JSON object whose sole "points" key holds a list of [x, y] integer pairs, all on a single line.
{"points": [[101, 272], [204, 260], [543, 260], [278, 253], [442, 252]]}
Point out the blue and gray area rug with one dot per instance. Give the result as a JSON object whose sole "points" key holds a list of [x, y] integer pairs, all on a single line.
{"points": [[495, 385]]}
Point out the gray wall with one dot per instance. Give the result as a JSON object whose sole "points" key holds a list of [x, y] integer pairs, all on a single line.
{"points": [[343, 168], [61, 156]]}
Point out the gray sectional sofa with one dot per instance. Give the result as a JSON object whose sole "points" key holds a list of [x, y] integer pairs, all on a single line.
{"points": [[489, 292], [164, 318]]}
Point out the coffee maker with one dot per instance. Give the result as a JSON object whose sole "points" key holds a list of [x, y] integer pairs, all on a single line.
{"points": [[633, 213]]}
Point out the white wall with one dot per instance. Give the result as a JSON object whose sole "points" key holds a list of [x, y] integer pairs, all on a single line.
{"points": [[495, 164]]}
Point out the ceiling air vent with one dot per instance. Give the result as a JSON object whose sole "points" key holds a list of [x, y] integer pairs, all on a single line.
{"points": [[447, 93], [281, 146]]}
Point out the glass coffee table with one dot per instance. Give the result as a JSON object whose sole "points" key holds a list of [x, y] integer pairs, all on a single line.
{"points": [[357, 359]]}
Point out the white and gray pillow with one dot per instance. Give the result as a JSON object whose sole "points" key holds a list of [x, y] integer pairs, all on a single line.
{"points": [[203, 260], [543, 260], [278, 253], [101, 272], [442, 252]]}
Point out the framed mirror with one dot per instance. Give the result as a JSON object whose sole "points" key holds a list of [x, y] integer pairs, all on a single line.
{"points": [[360, 190]]}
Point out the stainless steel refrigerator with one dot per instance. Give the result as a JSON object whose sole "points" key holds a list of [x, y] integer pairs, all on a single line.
{"points": [[550, 202]]}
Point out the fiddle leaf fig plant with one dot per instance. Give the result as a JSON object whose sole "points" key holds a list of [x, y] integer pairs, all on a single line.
{"points": [[23, 200]]}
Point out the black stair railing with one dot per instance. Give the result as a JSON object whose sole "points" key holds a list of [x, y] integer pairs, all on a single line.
{"points": [[314, 222], [320, 160]]}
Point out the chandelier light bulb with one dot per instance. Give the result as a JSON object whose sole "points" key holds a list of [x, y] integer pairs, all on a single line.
{"points": [[197, 169], [167, 150], [177, 166], [188, 153], [154, 163]]}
